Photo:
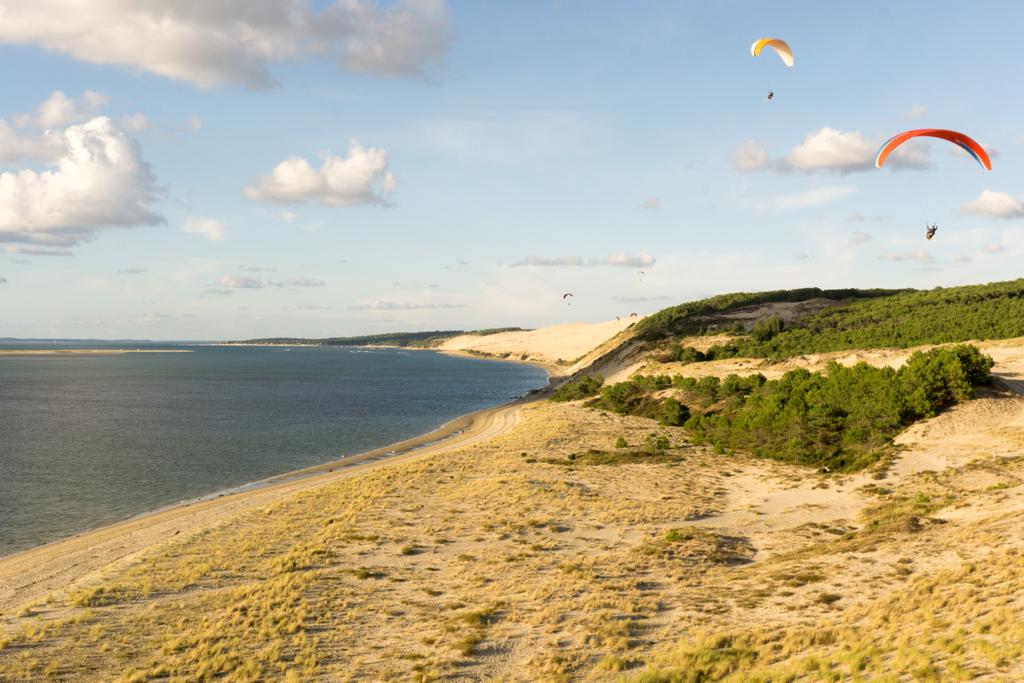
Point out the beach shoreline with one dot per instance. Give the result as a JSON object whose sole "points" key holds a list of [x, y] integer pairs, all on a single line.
{"points": [[84, 352], [27, 576]]}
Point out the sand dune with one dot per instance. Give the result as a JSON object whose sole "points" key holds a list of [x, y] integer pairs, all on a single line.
{"points": [[558, 347]]}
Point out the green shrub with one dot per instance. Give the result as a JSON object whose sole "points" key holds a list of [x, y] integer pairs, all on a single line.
{"points": [[844, 418], [766, 328], [585, 386]]}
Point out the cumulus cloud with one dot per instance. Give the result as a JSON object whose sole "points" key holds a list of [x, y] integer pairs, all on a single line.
{"points": [[257, 269], [815, 197], [917, 111], [858, 239], [210, 228], [621, 258], [214, 42], [362, 177], [750, 156], [994, 249], [132, 271], [995, 205], [921, 256], [651, 204], [396, 306], [59, 110], [99, 180], [16, 148], [828, 149]]}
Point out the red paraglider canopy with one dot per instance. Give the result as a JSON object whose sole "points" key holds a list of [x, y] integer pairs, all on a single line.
{"points": [[972, 147]]}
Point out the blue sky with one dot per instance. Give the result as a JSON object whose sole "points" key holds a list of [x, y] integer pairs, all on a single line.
{"points": [[460, 165]]}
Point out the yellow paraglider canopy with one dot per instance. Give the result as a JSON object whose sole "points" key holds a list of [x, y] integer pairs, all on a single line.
{"points": [[777, 44]]}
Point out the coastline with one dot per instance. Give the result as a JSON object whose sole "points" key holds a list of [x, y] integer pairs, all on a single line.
{"points": [[84, 352], [27, 576]]}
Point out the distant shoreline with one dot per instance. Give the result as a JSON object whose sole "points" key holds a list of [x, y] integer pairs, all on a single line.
{"points": [[84, 352]]}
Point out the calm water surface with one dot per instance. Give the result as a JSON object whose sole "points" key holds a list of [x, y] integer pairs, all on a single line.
{"points": [[88, 440]]}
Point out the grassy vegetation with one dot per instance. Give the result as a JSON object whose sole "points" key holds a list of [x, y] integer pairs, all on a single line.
{"points": [[956, 625], [842, 419]]}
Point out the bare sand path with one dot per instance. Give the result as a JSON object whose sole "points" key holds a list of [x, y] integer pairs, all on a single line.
{"points": [[28, 576]]}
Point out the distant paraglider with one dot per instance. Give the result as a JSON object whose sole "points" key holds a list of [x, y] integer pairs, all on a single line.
{"points": [[969, 145], [566, 296], [771, 95], [930, 230], [780, 46], [634, 315]]}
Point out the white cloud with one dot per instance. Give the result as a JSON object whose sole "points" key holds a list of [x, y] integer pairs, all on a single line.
{"points": [[815, 197], [230, 281], [921, 256], [621, 258], [16, 148], [210, 228], [59, 110], [362, 177], [995, 205], [917, 111], [994, 249], [651, 204], [549, 261], [396, 306], [801, 256], [131, 271], [960, 258], [858, 239], [258, 269], [214, 42], [297, 282], [833, 150], [750, 156], [98, 181], [30, 250]]}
